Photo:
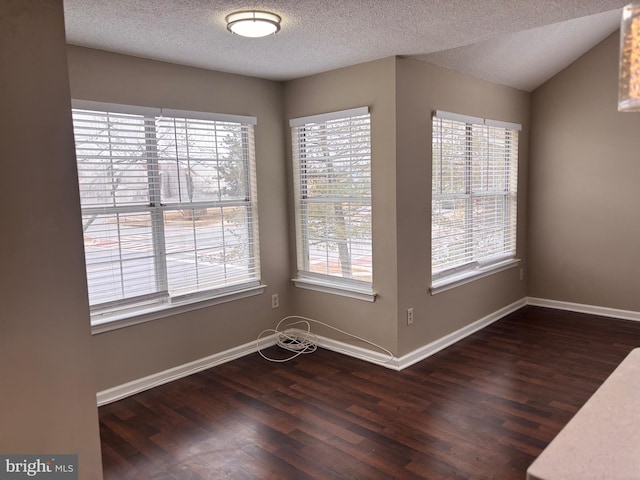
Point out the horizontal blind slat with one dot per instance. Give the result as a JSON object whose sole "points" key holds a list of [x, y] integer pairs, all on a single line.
{"points": [[201, 235], [474, 190], [332, 181]]}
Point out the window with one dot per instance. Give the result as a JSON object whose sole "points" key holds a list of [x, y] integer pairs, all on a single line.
{"points": [[332, 184], [474, 197], [168, 203]]}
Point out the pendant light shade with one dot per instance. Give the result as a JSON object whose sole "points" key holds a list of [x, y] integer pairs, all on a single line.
{"points": [[253, 23], [629, 79]]}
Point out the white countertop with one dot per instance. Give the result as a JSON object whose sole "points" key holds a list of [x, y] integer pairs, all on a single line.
{"points": [[602, 440]]}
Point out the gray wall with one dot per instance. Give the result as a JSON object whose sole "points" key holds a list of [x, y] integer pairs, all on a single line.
{"points": [[48, 402], [578, 226], [370, 84], [584, 226], [420, 89], [133, 352], [402, 93]]}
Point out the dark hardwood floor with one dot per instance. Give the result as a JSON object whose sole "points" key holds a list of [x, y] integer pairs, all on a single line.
{"points": [[483, 408]]}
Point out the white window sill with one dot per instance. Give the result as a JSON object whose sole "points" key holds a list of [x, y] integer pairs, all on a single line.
{"points": [[468, 276], [351, 291], [154, 312]]}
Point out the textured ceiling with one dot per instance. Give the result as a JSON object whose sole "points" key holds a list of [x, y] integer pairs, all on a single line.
{"points": [[520, 43], [527, 59]]}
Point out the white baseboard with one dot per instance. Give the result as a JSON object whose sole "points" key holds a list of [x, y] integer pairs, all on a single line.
{"points": [[366, 354], [582, 308], [136, 386], [166, 376], [378, 358], [453, 337], [423, 352]]}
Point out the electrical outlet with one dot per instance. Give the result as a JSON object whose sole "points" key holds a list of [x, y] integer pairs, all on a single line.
{"points": [[522, 274], [409, 316], [275, 301]]}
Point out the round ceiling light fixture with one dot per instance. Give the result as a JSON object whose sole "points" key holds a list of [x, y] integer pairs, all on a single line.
{"points": [[253, 23]]}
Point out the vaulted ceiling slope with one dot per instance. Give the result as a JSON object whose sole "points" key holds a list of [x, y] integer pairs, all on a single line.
{"points": [[520, 43]]}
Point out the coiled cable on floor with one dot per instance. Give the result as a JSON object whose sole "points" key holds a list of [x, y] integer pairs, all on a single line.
{"points": [[300, 341]]}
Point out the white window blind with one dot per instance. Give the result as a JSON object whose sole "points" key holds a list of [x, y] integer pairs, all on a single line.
{"points": [[332, 183], [168, 206], [474, 193]]}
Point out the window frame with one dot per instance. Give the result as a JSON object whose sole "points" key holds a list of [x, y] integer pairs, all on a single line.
{"points": [[160, 303], [468, 271], [307, 279]]}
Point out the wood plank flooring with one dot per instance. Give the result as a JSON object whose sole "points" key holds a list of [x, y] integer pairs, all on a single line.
{"points": [[483, 408]]}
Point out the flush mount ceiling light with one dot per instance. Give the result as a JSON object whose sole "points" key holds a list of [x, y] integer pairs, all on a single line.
{"points": [[253, 23], [629, 80]]}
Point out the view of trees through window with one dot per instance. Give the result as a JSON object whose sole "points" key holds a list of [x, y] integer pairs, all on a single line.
{"points": [[167, 204], [474, 193], [332, 163]]}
